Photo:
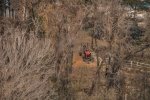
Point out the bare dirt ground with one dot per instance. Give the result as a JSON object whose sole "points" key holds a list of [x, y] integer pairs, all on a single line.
{"points": [[85, 39], [78, 62]]}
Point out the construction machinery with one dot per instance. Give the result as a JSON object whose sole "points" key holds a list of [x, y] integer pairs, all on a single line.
{"points": [[86, 53]]}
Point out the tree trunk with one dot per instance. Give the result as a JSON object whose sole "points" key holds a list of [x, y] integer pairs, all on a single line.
{"points": [[96, 43]]}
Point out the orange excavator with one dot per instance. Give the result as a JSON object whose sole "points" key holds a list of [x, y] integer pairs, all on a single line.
{"points": [[86, 53]]}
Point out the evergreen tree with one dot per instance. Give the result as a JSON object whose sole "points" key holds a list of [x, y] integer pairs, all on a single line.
{"points": [[133, 3], [2, 7]]}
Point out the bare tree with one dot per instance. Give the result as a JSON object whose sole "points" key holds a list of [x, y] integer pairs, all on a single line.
{"points": [[67, 20]]}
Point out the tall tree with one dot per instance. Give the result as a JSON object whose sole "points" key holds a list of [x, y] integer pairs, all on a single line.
{"points": [[133, 3], [2, 7]]}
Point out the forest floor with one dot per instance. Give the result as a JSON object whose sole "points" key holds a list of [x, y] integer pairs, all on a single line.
{"points": [[84, 73], [84, 38]]}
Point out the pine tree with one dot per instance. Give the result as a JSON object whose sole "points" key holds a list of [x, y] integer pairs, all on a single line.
{"points": [[2, 7]]}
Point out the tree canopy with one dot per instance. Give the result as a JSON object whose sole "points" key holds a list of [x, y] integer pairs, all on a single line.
{"points": [[132, 3]]}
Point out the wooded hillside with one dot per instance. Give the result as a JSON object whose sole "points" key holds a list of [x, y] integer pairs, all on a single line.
{"points": [[74, 50]]}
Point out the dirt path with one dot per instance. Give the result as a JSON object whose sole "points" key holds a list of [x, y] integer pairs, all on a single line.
{"points": [[78, 62], [84, 38]]}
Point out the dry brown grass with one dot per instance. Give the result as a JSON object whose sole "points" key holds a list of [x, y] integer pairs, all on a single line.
{"points": [[26, 64]]}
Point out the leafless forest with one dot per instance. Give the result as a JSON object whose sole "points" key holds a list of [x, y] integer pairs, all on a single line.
{"points": [[74, 50]]}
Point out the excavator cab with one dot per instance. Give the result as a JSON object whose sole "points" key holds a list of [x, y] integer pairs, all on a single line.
{"points": [[85, 53]]}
